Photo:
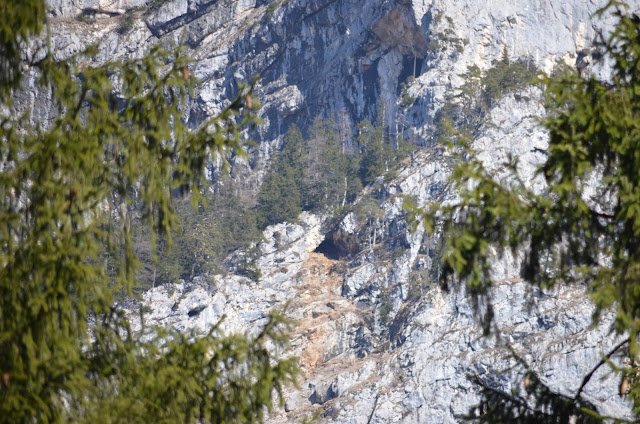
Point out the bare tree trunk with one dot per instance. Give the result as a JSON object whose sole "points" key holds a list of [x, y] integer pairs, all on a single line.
{"points": [[344, 198], [193, 266], [375, 229], [370, 237], [414, 64]]}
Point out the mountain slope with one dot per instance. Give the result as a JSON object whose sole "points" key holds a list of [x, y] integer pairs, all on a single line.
{"points": [[378, 340]]}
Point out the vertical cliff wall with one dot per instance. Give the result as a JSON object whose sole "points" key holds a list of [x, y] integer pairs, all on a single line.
{"points": [[375, 345], [331, 57]]}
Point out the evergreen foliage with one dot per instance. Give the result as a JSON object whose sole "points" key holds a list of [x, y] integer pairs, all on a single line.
{"points": [[20, 20], [468, 108], [317, 173], [354, 182], [327, 170], [202, 238], [325, 178], [537, 405], [280, 197], [583, 228], [377, 152], [68, 193], [378, 155]]}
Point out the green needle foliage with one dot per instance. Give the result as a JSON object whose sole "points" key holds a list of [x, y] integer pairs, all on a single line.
{"points": [[584, 227], [537, 405], [67, 195], [468, 108], [279, 198], [20, 20], [202, 239], [318, 173]]}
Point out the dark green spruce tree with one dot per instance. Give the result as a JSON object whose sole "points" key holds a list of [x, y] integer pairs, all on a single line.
{"points": [[280, 198], [202, 237], [325, 173], [377, 154], [67, 192]]}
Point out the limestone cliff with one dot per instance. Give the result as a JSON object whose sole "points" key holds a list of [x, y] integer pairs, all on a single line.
{"points": [[322, 57], [376, 343]]}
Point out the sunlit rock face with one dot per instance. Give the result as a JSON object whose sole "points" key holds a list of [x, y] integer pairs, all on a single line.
{"points": [[373, 345], [331, 58]]}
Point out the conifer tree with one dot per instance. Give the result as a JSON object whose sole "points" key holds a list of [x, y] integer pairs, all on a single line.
{"points": [[468, 107], [280, 198], [325, 174], [202, 237], [68, 190], [354, 183], [377, 153]]}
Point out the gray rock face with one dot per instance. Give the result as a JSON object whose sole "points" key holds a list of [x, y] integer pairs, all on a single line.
{"points": [[320, 56], [412, 366], [374, 345], [72, 8]]}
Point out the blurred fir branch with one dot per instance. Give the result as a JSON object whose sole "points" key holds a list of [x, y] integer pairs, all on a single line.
{"points": [[68, 192]]}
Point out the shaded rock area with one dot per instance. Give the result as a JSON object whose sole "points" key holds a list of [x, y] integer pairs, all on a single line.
{"points": [[339, 244], [329, 249], [326, 58], [398, 29]]}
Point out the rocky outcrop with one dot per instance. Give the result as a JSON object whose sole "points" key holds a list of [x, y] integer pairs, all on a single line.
{"points": [[326, 57], [375, 345], [377, 339], [73, 8]]}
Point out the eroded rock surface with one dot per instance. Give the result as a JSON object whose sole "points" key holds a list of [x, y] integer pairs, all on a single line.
{"points": [[374, 345], [337, 57], [412, 366]]}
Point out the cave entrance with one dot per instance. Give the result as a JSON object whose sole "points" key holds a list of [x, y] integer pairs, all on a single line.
{"points": [[329, 249]]}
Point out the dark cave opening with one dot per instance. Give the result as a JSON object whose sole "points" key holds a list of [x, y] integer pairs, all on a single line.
{"points": [[329, 249]]}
